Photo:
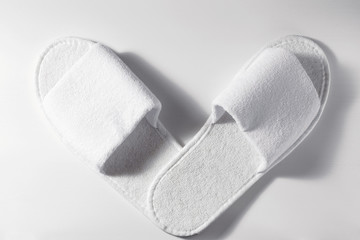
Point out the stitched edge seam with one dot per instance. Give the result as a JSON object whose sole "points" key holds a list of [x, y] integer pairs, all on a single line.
{"points": [[71, 41], [305, 42]]}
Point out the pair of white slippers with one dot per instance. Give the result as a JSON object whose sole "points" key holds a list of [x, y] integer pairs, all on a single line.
{"points": [[107, 116]]}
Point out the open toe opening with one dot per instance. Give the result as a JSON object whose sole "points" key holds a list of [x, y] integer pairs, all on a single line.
{"points": [[222, 161]]}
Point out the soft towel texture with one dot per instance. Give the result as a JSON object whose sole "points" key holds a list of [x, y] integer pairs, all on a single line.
{"points": [[269, 108], [273, 101], [98, 103], [105, 114]]}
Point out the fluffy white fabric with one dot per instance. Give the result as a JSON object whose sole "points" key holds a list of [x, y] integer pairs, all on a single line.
{"points": [[98, 103], [275, 101], [109, 117], [102, 111]]}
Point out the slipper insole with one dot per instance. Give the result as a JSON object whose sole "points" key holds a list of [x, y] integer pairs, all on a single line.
{"points": [[220, 163]]}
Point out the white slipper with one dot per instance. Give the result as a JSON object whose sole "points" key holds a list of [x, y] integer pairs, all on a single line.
{"points": [[105, 114], [269, 108]]}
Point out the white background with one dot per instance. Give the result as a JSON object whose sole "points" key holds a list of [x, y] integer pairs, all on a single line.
{"points": [[186, 52]]}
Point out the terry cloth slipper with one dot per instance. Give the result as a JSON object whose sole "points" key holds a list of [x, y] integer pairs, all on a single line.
{"points": [[267, 110], [105, 114]]}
